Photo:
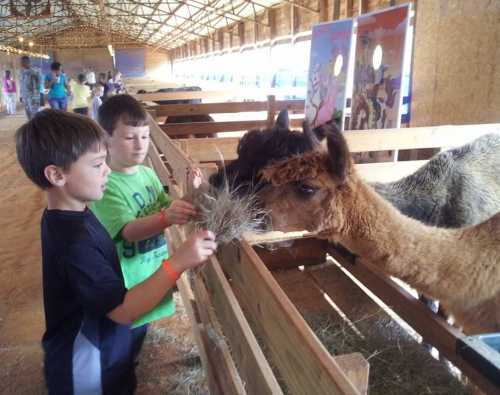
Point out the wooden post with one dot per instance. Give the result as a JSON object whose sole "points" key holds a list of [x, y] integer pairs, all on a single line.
{"points": [[271, 110], [271, 18], [336, 10], [349, 8], [241, 33], [323, 10]]}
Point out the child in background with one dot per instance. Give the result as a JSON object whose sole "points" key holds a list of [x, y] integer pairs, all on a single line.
{"points": [[9, 90], [89, 346], [96, 101], [81, 96], [135, 209]]}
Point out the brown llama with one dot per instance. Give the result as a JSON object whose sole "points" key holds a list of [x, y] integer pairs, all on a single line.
{"points": [[320, 191]]}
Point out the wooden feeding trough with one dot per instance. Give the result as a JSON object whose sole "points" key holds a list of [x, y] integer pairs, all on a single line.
{"points": [[247, 305]]}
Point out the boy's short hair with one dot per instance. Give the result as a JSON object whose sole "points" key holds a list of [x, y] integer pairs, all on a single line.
{"points": [[54, 137], [124, 108], [81, 78], [55, 66]]}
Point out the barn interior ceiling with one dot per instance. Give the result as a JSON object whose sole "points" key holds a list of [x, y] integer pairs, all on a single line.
{"points": [[164, 24]]}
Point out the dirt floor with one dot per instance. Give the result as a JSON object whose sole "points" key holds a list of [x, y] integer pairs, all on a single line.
{"points": [[169, 359]]}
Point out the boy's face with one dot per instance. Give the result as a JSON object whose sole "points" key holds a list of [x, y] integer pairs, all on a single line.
{"points": [[85, 181], [129, 145]]}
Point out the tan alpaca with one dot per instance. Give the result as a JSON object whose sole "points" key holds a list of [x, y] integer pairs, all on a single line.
{"points": [[321, 192]]}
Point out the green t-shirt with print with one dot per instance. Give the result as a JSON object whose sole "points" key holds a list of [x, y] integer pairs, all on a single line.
{"points": [[128, 197]]}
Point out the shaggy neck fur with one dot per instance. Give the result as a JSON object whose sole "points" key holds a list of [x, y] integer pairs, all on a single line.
{"points": [[459, 267]]}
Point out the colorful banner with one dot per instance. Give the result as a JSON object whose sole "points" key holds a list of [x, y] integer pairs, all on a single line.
{"points": [[378, 69], [329, 59], [130, 62]]}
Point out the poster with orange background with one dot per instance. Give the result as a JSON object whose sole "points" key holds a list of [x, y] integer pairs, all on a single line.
{"points": [[378, 69]]}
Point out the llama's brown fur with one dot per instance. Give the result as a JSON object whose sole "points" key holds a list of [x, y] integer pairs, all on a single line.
{"points": [[321, 192]]}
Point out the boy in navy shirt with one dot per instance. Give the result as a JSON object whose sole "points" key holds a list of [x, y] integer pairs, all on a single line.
{"points": [[88, 344]]}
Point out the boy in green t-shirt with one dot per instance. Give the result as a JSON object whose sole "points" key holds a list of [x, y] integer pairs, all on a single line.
{"points": [[135, 210]]}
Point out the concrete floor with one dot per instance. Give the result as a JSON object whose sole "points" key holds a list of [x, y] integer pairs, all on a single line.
{"points": [[169, 359]]}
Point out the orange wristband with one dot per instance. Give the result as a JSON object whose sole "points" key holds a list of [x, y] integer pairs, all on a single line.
{"points": [[163, 217], [174, 276]]}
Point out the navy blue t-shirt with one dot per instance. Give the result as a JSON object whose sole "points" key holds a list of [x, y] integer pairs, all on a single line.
{"points": [[85, 352]]}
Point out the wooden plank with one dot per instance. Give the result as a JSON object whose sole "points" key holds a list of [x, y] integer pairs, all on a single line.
{"points": [[210, 150], [228, 378], [190, 306], [213, 365], [229, 381], [253, 366], [356, 368], [273, 237], [222, 94], [229, 94], [388, 171], [194, 128], [223, 108], [365, 140], [217, 149], [251, 362], [413, 138], [433, 329], [302, 252], [161, 170], [178, 161], [301, 359]]}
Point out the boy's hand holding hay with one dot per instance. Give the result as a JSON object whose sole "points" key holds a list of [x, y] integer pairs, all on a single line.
{"points": [[179, 213], [223, 212]]}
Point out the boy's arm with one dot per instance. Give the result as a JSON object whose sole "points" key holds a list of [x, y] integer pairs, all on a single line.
{"points": [[146, 295], [179, 213]]}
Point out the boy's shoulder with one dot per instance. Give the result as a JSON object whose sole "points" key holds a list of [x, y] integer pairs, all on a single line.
{"points": [[67, 228]]}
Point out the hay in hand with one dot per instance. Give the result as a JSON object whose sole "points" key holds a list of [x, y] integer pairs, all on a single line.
{"points": [[226, 214]]}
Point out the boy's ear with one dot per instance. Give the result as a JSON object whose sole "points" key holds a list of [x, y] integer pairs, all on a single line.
{"points": [[55, 175]]}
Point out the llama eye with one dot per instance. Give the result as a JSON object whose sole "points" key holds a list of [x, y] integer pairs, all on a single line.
{"points": [[305, 189]]}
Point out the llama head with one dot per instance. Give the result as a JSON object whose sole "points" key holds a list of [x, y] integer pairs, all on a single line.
{"points": [[258, 148], [310, 191]]}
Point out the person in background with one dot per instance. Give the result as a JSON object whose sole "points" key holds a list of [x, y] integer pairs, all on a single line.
{"points": [[96, 102], [58, 86], [110, 83], [10, 90], [31, 81], [90, 77], [103, 83], [118, 83], [81, 96], [42, 89]]}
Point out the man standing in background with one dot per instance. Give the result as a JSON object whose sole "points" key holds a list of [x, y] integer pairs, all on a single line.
{"points": [[30, 87], [90, 77]]}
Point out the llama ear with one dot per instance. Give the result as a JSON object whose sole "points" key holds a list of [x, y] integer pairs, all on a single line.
{"points": [[310, 134], [316, 135], [339, 156], [282, 121]]}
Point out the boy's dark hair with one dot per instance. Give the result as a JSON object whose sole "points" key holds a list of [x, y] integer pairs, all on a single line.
{"points": [[54, 137], [55, 66], [81, 77], [124, 108]]}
